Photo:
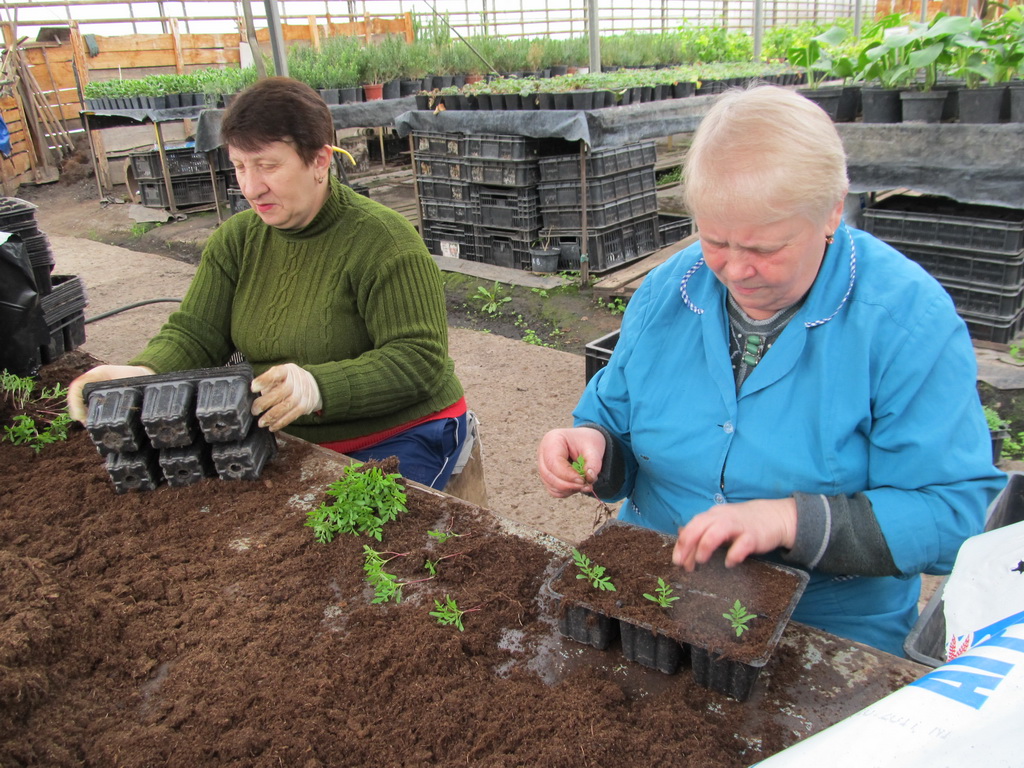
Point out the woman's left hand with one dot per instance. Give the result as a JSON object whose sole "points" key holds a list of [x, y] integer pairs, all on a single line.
{"points": [[286, 392], [752, 527]]}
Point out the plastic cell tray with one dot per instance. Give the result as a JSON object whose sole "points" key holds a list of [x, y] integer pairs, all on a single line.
{"points": [[244, 459], [941, 221], [187, 465], [600, 190], [599, 352], [224, 405], [168, 414], [112, 420], [137, 471], [652, 650], [65, 299], [16, 213], [615, 245], [602, 162], [603, 215], [180, 162]]}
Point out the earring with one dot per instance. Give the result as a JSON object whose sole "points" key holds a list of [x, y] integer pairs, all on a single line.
{"points": [[829, 239], [319, 179]]}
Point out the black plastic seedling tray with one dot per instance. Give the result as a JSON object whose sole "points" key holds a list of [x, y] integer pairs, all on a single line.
{"points": [[667, 645], [181, 426]]}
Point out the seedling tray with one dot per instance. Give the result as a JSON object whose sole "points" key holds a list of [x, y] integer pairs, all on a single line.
{"points": [[181, 426], [941, 221], [692, 627]]}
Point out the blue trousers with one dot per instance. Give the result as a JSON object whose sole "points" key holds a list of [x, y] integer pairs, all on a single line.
{"points": [[426, 453]]}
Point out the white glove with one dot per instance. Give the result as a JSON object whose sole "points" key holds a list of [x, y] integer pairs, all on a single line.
{"points": [[77, 406], [286, 392]]}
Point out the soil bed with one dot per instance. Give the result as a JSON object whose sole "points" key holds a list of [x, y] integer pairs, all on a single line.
{"points": [[204, 626]]}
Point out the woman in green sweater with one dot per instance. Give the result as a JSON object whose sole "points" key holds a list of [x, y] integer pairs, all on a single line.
{"points": [[331, 297]]}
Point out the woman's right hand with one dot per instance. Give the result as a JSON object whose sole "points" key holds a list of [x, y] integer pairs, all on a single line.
{"points": [[77, 406], [558, 449]]}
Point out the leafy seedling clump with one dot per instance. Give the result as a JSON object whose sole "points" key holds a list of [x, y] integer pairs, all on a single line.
{"points": [[592, 572], [364, 501], [663, 594], [50, 426], [739, 617]]}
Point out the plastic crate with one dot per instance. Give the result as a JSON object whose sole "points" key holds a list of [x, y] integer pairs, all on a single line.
{"points": [[515, 208], [180, 162], [926, 642], [442, 168], [998, 330], [602, 162], [986, 300], [237, 201], [966, 266], [506, 248], [599, 352], [672, 228], [500, 147], [604, 215], [439, 144], [450, 239], [440, 189], [448, 210], [187, 190], [600, 190], [502, 173], [615, 245], [941, 221]]}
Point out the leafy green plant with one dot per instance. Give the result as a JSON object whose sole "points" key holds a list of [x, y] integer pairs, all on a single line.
{"points": [[616, 306], [663, 596], [739, 617], [443, 536], [491, 300], [530, 336], [995, 422], [813, 55], [449, 614], [49, 425], [592, 572], [580, 466], [17, 390], [25, 431], [364, 501]]}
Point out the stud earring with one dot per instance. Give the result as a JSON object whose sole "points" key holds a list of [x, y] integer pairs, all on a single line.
{"points": [[319, 179], [829, 239]]}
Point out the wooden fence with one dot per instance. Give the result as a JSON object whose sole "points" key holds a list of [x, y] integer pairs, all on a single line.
{"points": [[43, 81]]}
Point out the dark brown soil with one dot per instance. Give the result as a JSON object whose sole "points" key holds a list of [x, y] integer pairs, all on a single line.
{"points": [[204, 626], [634, 558]]}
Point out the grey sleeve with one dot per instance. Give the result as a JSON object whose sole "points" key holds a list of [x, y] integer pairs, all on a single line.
{"points": [[839, 534], [610, 479]]}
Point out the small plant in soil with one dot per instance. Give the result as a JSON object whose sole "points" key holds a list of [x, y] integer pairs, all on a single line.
{"points": [[592, 572], [448, 613], [739, 617], [364, 501], [387, 587], [443, 536], [663, 594], [48, 426], [491, 300]]}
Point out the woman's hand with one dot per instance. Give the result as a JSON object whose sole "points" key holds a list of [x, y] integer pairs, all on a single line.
{"points": [[77, 406], [558, 449], [286, 392], [752, 527]]}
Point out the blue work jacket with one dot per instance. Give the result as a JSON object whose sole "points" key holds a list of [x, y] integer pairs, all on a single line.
{"points": [[871, 387]]}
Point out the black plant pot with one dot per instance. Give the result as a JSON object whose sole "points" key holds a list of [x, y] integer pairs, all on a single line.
{"points": [[849, 104], [422, 101], [826, 98], [511, 101], [1016, 91], [582, 99], [922, 106], [528, 102], [646, 93], [483, 101], [544, 259], [559, 69], [351, 95], [981, 105], [329, 95], [562, 100], [545, 101], [880, 105], [409, 87], [451, 101], [682, 90], [392, 89], [173, 100]]}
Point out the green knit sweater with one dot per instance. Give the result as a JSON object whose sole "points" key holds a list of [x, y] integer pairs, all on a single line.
{"points": [[354, 298]]}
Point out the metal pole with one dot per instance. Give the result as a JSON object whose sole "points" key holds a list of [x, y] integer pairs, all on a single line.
{"points": [[858, 19], [594, 33], [758, 28], [276, 38]]}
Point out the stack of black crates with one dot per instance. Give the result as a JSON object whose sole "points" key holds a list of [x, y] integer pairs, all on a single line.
{"points": [[975, 251], [191, 183], [491, 198], [62, 297]]}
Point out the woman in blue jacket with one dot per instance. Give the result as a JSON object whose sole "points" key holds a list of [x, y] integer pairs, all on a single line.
{"points": [[789, 386]]}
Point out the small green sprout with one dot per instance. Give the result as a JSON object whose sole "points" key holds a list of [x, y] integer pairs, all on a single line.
{"points": [[580, 465], [739, 617], [592, 572], [443, 536], [664, 596], [449, 614]]}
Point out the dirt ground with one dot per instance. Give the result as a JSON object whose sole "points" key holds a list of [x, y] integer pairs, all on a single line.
{"points": [[518, 390]]}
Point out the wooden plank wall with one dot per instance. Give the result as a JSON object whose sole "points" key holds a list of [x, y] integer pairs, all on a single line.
{"points": [[63, 67]]}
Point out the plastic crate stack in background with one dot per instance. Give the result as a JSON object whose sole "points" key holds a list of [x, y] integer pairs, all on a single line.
{"points": [[975, 251], [62, 297], [621, 204], [191, 183]]}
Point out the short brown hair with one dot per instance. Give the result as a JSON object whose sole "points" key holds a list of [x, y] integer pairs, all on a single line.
{"points": [[278, 109]]}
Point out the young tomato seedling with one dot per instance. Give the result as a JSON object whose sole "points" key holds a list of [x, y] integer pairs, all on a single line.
{"points": [[448, 613], [363, 502], [739, 617], [580, 465], [592, 572], [664, 596]]}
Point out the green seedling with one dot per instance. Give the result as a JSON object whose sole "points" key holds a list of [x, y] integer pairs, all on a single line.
{"points": [[491, 300], [386, 586], [739, 618], [592, 572], [49, 426], [449, 614], [364, 501], [664, 596], [616, 306], [443, 536], [17, 389], [530, 336], [580, 465]]}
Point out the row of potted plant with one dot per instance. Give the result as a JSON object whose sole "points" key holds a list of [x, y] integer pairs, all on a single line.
{"points": [[907, 68]]}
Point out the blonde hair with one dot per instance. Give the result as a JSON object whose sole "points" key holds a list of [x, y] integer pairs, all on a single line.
{"points": [[766, 151]]}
